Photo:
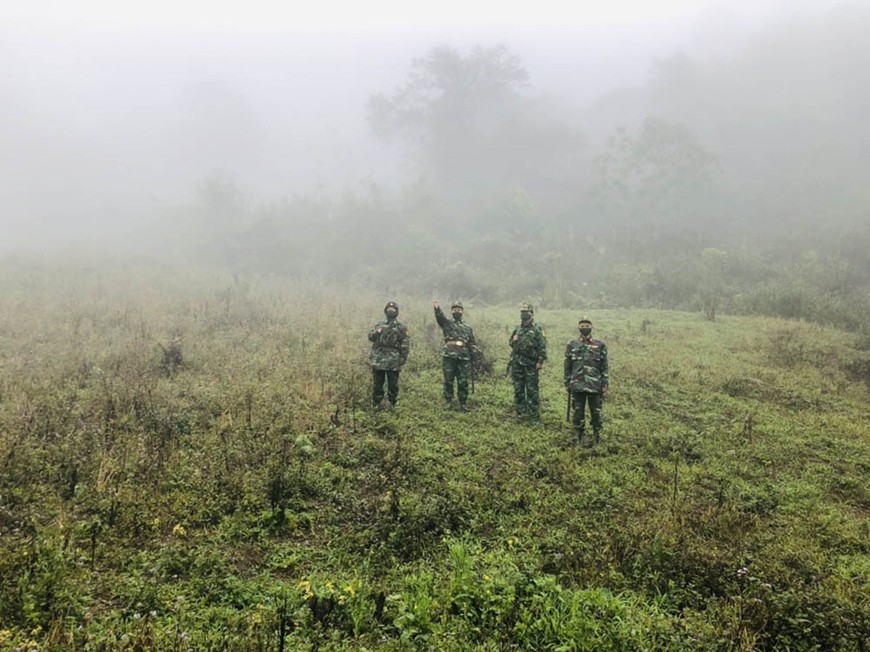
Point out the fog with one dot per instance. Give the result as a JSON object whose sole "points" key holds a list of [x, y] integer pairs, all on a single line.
{"points": [[110, 120]]}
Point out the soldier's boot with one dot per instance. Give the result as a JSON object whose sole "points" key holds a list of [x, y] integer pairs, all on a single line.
{"points": [[463, 406], [448, 403], [581, 433], [392, 406], [377, 406], [596, 436]]}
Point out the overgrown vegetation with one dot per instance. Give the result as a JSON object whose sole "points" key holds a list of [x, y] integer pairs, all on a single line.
{"points": [[187, 462]]}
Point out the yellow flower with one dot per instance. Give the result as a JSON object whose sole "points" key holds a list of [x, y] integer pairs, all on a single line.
{"points": [[179, 530], [350, 590], [305, 585]]}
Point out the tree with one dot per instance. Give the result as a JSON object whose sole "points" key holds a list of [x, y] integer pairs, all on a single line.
{"points": [[448, 96], [712, 280], [468, 121], [653, 183]]}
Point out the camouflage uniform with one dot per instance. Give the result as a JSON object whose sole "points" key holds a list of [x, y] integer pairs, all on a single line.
{"points": [[587, 378], [529, 350], [456, 355], [390, 346]]}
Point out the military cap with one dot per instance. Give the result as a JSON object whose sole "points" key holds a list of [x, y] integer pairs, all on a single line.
{"points": [[391, 304], [527, 307], [585, 320], [457, 304]]}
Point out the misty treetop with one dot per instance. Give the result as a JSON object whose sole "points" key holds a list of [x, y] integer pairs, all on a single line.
{"points": [[469, 122]]}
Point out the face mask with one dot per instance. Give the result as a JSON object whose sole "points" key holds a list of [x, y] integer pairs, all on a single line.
{"points": [[457, 316], [525, 316], [391, 314], [585, 332]]}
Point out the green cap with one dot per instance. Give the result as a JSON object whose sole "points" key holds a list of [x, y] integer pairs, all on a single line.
{"points": [[527, 307], [457, 304], [585, 320]]}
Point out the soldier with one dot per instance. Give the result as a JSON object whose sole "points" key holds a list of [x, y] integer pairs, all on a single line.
{"points": [[457, 353], [390, 346], [529, 351], [586, 378]]}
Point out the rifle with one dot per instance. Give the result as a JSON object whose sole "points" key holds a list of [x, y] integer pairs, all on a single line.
{"points": [[507, 371], [568, 408], [471, 367]]}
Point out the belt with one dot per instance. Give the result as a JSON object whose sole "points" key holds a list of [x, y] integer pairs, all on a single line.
{"points": [[456, 342]]}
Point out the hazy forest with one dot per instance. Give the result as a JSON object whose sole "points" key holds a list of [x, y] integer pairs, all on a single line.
{"points": [[188, 455]]}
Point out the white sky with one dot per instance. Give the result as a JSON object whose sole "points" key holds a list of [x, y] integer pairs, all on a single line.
{"points": [[103, 99], [369, 14]]}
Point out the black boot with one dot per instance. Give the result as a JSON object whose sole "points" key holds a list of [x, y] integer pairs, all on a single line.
{"points": [[463, 406]]}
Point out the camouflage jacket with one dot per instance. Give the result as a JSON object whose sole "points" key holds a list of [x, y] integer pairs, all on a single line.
{"points": [[586, 365], [530, 346], [390, 345], [458, 337]]}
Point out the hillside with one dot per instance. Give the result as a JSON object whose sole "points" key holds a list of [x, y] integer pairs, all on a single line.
{"points": [[241, 496]]}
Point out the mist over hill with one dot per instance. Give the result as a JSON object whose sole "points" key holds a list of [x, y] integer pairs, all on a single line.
{"points": [[447, 158]]}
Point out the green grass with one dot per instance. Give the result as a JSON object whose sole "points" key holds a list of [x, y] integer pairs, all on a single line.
{"points": [[249, 500]]}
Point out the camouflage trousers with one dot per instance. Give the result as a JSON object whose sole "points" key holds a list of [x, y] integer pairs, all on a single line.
{"points": [[459, 370], [595, 402], [378, 377], [527, 399]]}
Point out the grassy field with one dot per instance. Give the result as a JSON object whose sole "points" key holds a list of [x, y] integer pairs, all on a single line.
{"points": [[245, 498]]}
